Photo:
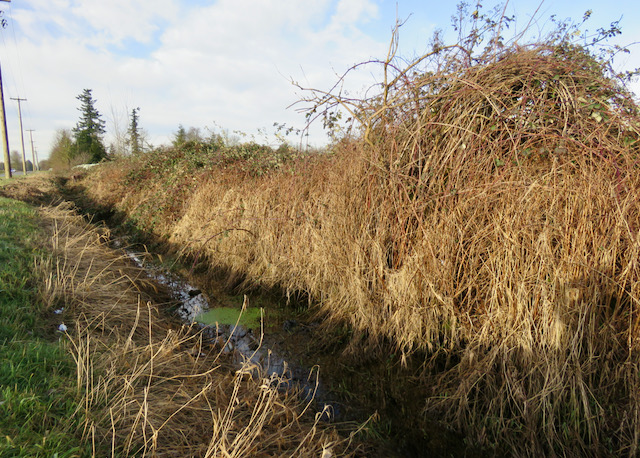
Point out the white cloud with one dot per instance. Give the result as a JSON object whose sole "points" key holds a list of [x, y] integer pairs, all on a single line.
{"points": [[114, 21], [234, 68], [350, 12]]}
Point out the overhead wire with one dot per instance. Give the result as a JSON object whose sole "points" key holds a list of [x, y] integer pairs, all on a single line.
{"points": [[18, 58], [15, 74], [9, 82]]}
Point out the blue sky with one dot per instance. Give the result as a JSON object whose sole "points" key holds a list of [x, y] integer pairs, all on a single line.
{"points": [[219, 63]]}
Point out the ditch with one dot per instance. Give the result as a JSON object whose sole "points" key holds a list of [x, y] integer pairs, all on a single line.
{"points": [[283, 333]]}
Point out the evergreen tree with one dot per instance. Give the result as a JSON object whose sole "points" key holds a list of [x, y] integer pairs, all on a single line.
{"points": [[184, 136], [90, 128], [135, 138], [180, 137]]}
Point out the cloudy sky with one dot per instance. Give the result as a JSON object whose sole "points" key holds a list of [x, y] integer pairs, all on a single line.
{"points": [[218, 63]]}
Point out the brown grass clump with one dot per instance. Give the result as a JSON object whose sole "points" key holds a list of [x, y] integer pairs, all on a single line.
{"points": [[151, 388], [488, 217]]}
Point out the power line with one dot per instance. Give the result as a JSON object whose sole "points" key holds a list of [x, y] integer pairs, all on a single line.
{"points": [[11, 57], [5, 137], [16, 76], [21, 80]]}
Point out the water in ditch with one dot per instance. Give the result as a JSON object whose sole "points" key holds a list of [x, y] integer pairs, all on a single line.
{"points": [[240, 331]]}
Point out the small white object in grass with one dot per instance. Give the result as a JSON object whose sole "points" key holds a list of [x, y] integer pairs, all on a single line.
{"points": [[62, 327], [59, 311], [326, 452]]}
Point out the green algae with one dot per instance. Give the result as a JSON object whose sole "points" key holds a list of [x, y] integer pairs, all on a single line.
{"points": [[250, 317]]}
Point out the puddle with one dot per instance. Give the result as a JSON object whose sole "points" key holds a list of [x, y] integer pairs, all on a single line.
{"points": [[249, 318]]}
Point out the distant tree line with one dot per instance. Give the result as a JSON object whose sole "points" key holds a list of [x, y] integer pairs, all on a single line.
{"points": [[84, 143], [16, 162]]}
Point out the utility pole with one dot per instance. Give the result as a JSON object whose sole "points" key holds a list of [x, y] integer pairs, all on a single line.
{"points": [[36, 166], [3, 115], [24, 158], [5, 137]]}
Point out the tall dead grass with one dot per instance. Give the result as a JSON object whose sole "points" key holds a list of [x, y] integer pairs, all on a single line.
{"points": [[489, 218], [152, 388]]}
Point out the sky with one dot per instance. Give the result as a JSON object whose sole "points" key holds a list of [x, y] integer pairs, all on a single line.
{"points": [[222, 64]]}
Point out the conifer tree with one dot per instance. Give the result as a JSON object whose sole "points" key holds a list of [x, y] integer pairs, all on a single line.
{"points": [[180, 137], [135, 137], [90, 128]]}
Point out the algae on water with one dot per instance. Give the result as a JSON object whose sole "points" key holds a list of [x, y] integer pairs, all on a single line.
{"points": [[250, 317]]}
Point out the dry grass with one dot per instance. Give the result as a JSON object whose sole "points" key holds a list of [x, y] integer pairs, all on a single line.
{"points": [[151, 388], [489, 217]]}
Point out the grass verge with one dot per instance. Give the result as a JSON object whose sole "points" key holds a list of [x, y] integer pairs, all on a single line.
{"points": [[37, 408]]}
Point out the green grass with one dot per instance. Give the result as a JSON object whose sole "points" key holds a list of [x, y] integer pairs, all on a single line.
{"points": [[37, 375]]}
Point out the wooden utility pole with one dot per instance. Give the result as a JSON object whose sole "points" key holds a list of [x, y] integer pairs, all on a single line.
{"points": [[3, 121], [24, 157], [5, 137], [36, 166]]}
